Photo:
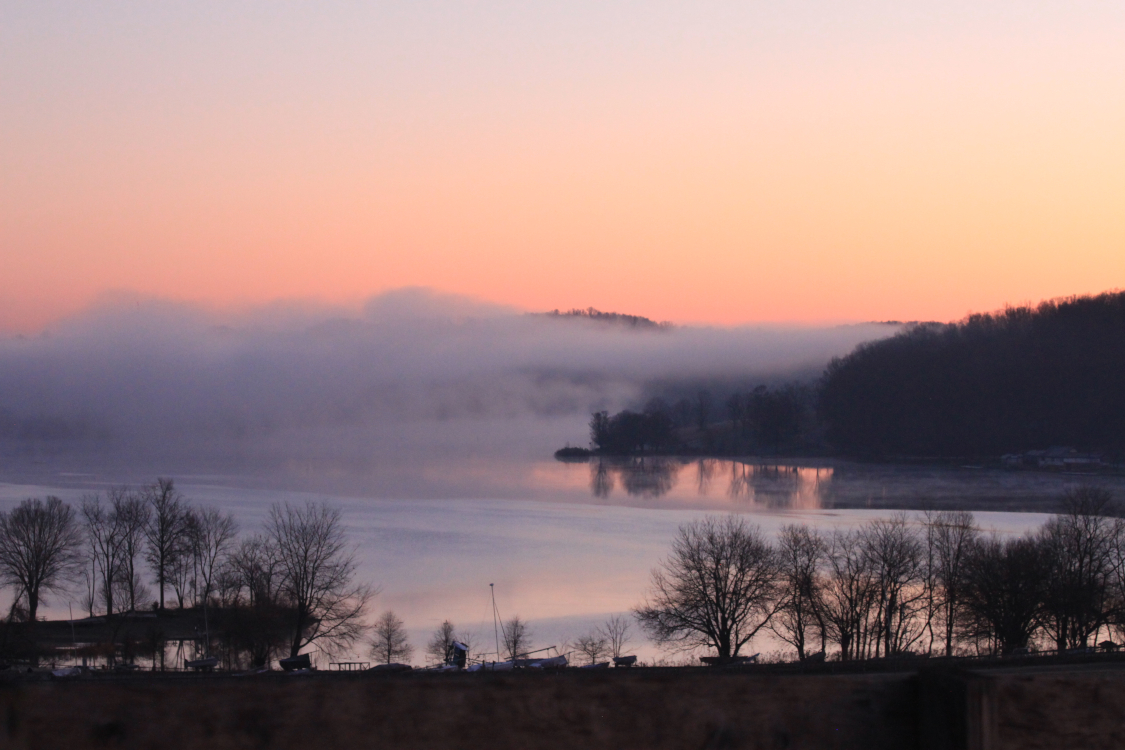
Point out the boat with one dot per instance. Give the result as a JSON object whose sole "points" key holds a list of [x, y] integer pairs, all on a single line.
{"points": [[493, 666], [202, 665], [391, 667], [296, 663], [555, 662], [624, 661]]}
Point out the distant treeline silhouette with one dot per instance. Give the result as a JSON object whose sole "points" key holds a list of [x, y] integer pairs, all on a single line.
{"points": [[633, 321], [1020, 379], [761, 421]]}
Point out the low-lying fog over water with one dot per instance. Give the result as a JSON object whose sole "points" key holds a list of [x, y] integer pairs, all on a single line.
{"points": [[431, 421]]}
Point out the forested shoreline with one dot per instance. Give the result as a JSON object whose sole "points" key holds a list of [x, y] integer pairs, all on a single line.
{"points": [[1006, 383], [892, 587]]}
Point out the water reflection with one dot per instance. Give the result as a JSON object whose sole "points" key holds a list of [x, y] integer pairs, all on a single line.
{"points": [[640, 476], [767, 485], [774, 486]]}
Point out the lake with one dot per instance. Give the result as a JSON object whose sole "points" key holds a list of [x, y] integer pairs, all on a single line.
{"points": [[568, 544]]}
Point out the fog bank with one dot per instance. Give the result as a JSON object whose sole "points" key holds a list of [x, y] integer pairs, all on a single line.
{"points": [[410, 372]]}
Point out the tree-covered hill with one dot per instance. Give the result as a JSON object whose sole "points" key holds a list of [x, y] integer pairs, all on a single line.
{"points": [[1023, 378]]}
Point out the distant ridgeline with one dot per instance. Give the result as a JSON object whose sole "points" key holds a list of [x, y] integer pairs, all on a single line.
{"points": [[632, 321], [1016, 381], [1020, 379]]}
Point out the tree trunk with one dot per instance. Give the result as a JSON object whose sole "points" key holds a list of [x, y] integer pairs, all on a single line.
{"points": [[296, 647]]}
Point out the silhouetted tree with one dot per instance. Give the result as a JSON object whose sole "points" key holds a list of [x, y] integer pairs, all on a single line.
{"points": [[774, 416], [599, 430], [164, 532], [716, 590], [389, 643], [40, 549], [850, 598], [105, 531], [1079, 548], [1002, 585], [133, 513], [951, 536], [441, 642], [801, 553], [317, 567], [894, 556], [211, 533], [593, 646], [517, 637], [616, 630]]}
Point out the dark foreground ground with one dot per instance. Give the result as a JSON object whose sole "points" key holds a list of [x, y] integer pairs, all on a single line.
{"points": [[1076, 704]]}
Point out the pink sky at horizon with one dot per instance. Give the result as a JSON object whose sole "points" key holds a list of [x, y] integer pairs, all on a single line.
{"points": [[707, 162]]}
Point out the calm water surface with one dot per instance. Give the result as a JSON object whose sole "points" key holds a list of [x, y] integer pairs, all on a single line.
{"points": [[568, 544]]}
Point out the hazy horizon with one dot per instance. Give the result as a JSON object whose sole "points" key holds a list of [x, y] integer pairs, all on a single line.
{"points": [[409, 374]]}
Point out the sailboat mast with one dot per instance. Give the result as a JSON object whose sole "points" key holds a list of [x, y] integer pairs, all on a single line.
{"points": [[495, 619]]}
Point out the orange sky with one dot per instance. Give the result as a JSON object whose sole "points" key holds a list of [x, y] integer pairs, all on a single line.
{"points": [[690, 162]]}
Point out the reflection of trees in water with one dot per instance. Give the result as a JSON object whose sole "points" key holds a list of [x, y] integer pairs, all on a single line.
{"points": [[646, 476], [765, 485], [601, 480], [705, 469], [777, 486]]}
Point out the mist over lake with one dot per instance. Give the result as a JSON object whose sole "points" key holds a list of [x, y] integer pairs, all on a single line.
{"points": [[430, 421]]}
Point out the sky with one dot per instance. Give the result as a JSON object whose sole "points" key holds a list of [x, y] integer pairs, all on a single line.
{"points": [[706, 162]]}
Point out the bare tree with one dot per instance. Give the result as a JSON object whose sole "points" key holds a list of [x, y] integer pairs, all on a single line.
{"points": [[105, 532], [895, 558], [259, 569], [951, 537], [801, 553], [89, 578], [182, 570], [259, 623], [164, 532], [1002, 584], [716, 590], [390, 644], [593, 646], [212, 534], [317, 568], [40, 549], [848, 598], [615, 630], [441, 642], [1080, 547], [132, 513], [517, 637]]}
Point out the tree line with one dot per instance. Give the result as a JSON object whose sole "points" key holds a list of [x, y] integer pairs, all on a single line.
{"points": [[888, 589], [267, 594], [884, 589], [762, 421], [1020, 379], [262, 596], [1023, 378]]}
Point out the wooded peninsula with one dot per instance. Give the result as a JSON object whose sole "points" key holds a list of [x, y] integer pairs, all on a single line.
{"points": [[1011, 383]]}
